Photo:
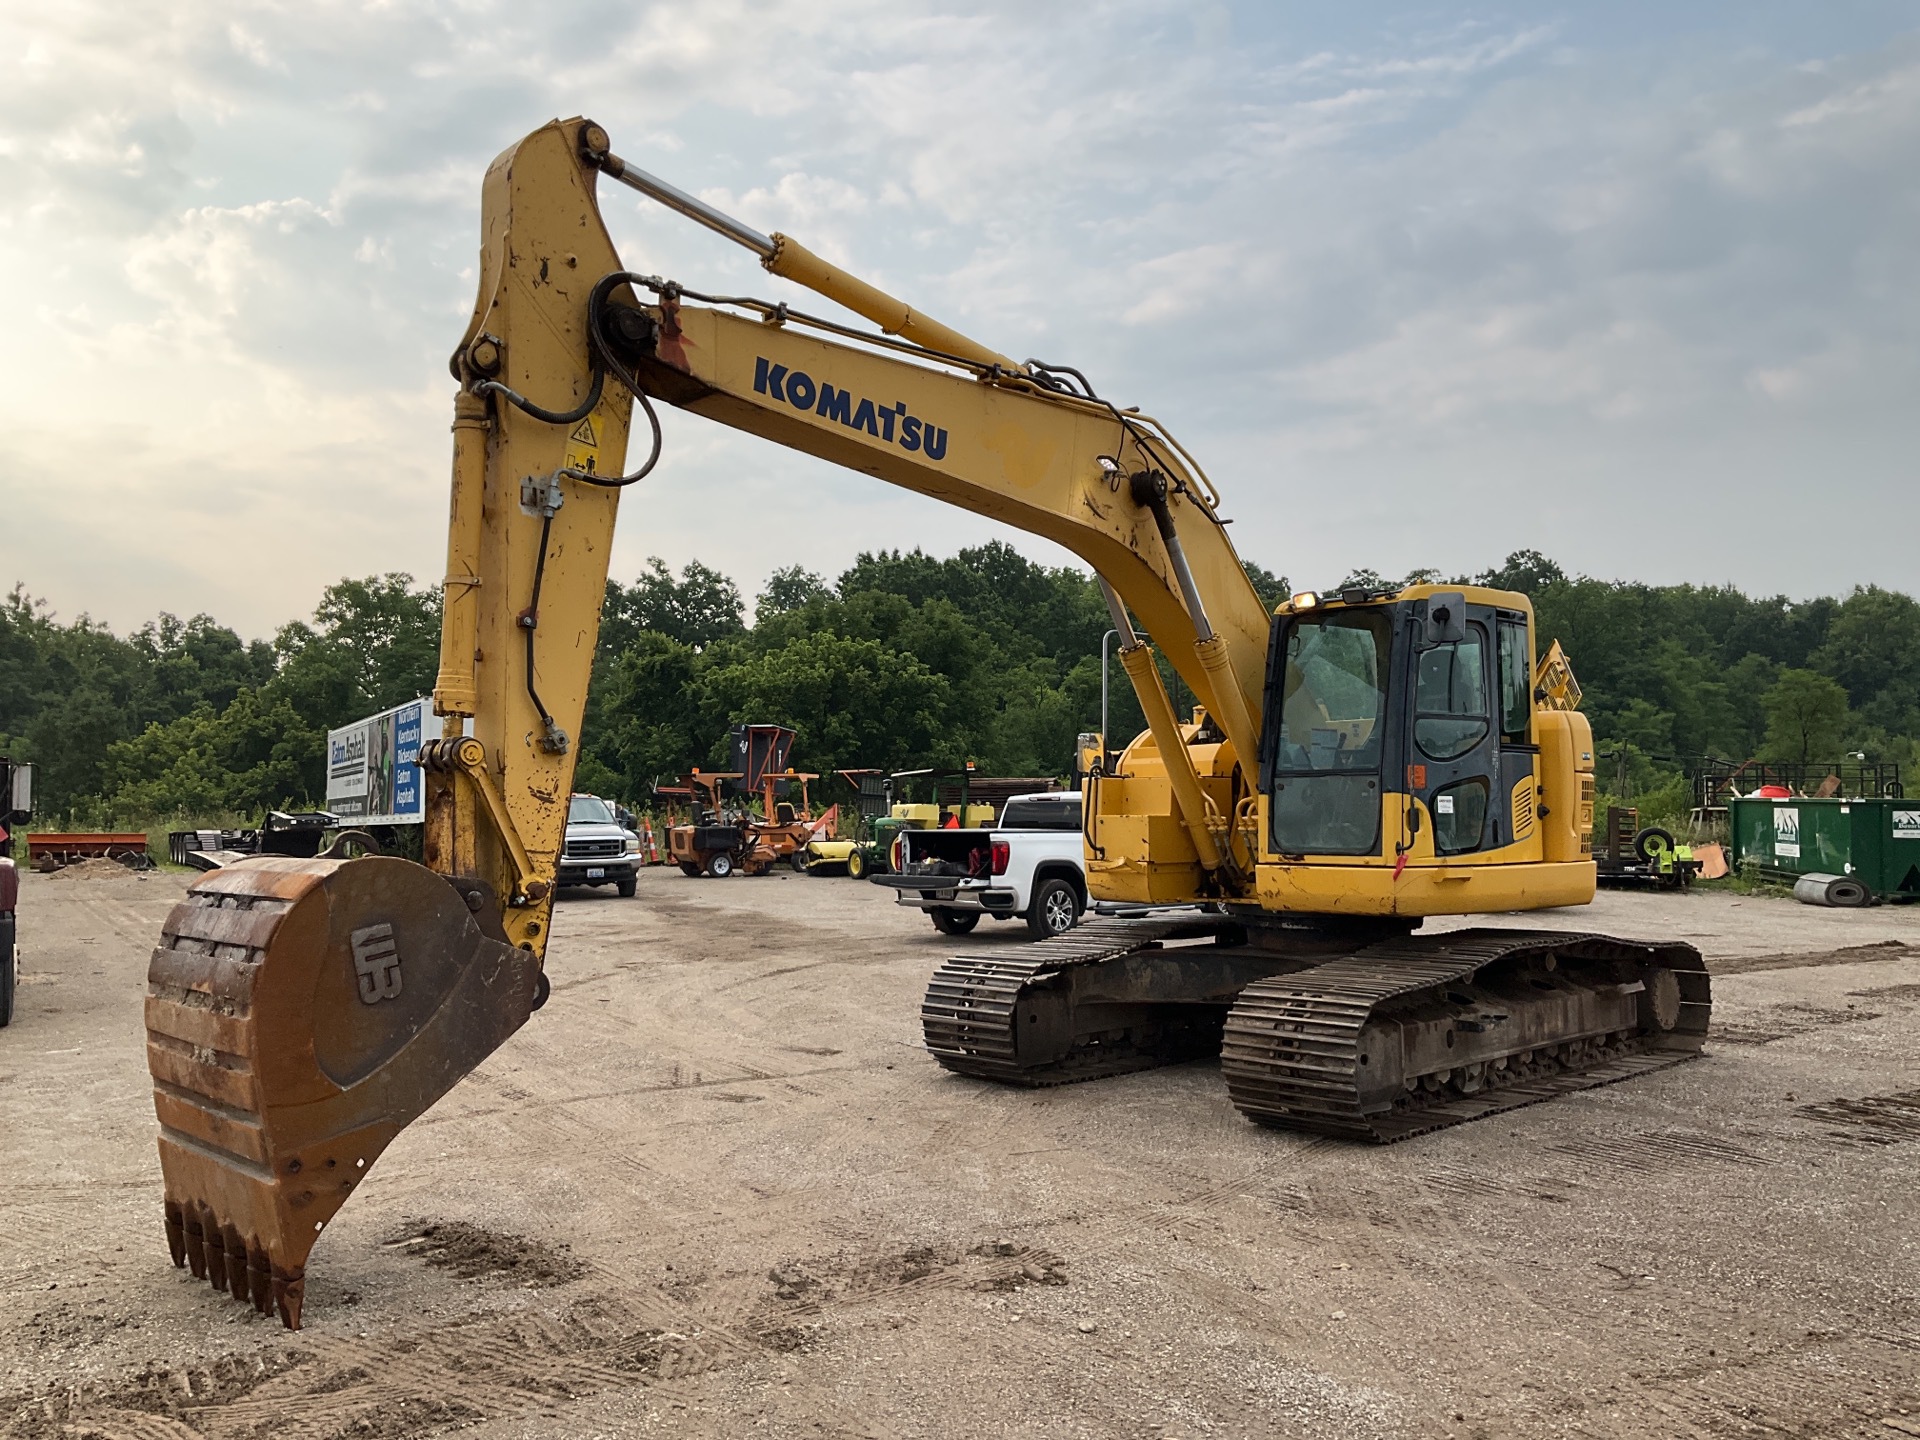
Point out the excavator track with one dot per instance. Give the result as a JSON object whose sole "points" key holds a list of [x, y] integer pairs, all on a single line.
{"points": [[1415, 1034], [1018, 1021], [299, 1014]]}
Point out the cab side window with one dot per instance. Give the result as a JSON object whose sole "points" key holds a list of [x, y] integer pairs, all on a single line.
{"points": [[1450, 697], [1516, 683]]}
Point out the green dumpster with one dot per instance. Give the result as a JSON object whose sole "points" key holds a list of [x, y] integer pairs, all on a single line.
{"points": [[1875, 841]]}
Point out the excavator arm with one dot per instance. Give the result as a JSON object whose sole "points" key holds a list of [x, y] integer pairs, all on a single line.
{"points": [[302, 1012]]}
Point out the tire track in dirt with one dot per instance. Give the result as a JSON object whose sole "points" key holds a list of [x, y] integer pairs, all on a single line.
{"points": [[1825, 1386], [693, 1081], [1655, 1151], [39, 1224], [1795, 1390], [613, 1337], [1784, 1022]]}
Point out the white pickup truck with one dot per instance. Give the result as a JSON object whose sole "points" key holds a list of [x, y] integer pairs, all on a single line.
{"points": [[1030, 866], [598, 850]]}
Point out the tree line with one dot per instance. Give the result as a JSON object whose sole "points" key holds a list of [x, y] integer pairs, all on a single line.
{"points": [[904, 660]]}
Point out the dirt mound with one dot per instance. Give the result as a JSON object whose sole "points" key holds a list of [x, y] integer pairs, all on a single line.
{"points": [[1812, 959], [475, 1253], [110, 871], [994, 1266]]}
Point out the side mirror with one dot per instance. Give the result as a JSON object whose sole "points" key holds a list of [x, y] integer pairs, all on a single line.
{"points": [[1446, 618]]}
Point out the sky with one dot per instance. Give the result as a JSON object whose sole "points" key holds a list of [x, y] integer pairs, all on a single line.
{"points": [[1636, 285]]}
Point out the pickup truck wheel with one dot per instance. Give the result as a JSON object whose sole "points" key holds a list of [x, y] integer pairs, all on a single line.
{"points": [[628, 886], [856, 865], [719, 864], [1054, 911], [955, 922]]}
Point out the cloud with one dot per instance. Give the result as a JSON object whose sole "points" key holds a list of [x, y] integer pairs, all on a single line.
{"points": [[1416, 292]]}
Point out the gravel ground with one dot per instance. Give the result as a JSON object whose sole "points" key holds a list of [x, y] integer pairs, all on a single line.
{"points": [[716, 1188]]}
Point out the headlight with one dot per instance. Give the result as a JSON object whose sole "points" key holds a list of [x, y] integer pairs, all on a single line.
{"points": [[633, 844]]}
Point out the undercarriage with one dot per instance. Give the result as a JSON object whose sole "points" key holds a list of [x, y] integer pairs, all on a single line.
{"points": [[1333, 1027]]}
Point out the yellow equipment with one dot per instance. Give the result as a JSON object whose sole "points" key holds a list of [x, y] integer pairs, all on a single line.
{"points": [[1355, 762]]}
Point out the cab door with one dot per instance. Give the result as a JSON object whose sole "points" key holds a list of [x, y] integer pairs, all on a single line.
{"points": [[1514, 805], [1453, 749]]}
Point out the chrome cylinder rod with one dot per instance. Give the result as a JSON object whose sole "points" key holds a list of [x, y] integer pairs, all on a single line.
{"points": [[674, 198]]}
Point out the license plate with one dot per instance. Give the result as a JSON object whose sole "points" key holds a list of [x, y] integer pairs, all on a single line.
{"points": [[598, 872]]}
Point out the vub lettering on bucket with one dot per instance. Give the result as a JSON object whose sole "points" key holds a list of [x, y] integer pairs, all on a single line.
{"points": [[890, 423]]}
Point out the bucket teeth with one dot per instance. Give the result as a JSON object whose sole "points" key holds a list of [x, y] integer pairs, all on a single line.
{"points": [[288, 1291], [195, 1245], [216, 1251], [260, 1279], [231, 1262], [236, 1264], [176, 1237]]}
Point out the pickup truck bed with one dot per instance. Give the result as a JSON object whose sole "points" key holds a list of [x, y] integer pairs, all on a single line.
{"points": [[1032, 869]]}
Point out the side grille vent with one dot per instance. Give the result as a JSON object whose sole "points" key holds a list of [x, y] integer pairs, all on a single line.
{"points": [[1523, 810]]}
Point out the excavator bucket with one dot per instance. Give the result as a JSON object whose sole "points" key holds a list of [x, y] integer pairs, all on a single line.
{"points": [[300, 1014]]}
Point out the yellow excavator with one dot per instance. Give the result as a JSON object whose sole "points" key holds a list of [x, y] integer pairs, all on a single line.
{"points": [[1355, 762]]}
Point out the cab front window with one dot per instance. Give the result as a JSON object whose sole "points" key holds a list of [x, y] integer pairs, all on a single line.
{"points": [[1326, 762]]}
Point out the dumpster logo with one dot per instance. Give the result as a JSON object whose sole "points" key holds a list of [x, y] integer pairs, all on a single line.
{"points": [[1906, 824], [1786, 833], [376, 960]]}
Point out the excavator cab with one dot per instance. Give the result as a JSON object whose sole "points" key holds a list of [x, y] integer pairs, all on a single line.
{"points": [[1426, 695]]}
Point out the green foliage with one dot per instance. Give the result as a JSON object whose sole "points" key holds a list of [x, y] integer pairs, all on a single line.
{"points": [[700, 607], [645, 716], [1872, 647], [1806, 716], [855, 701], [245, 758], [1271, 588], [792, 588], [1679, 670], [906, 659], [184, 718], [1747, 879], [1662, 796], [1527, 571], [1369, 579]]}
